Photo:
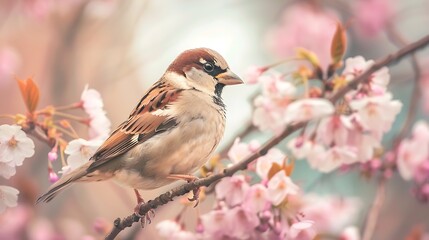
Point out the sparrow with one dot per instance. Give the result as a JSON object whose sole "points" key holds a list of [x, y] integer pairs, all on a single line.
{"points": [[171, 133]]}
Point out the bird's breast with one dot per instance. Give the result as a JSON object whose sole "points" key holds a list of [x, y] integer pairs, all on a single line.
{"points": [[181, 150]]}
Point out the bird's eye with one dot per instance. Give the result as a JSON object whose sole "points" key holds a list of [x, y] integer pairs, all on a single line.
{"points": [[208, 67]]}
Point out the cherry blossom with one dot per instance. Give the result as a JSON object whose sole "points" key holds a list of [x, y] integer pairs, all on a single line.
{"points": [[253, 73], [15, 146], [240, 150], [331, 214], [256, 198], [280, 186], [232, 189], [8, 197], [93, 105], [264, 163], [412, 153], [334, 130], [216, 224], [277, 88], [301, 147], [303, 25], [332, 158], [7, 170], [376, 113], [270, 107], [308, 109], [268, 115], [354, 66], [169, 229], [297, 227], [80, 150], [243, 221], [364, 142], [350, 233]]}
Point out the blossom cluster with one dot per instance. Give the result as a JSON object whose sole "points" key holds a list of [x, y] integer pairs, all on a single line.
{"points": [[340, 134], [413, 159], [266, 204], [15, 147]]}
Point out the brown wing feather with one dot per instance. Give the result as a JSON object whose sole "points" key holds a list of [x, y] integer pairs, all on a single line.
{"points": [[141, 125]]}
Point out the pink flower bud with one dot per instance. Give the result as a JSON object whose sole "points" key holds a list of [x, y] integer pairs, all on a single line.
{"points": [[53, 177], [375, 164], [52, 155]]}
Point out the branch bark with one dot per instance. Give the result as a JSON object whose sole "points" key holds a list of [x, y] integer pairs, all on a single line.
{"points": [[164, 198]]}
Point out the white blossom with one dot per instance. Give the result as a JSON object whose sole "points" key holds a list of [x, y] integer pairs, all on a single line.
{"points": [[15, 146], [80, 151], [8, 197]]}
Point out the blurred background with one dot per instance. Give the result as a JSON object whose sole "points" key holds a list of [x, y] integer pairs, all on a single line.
{"points": [[121, 47]]}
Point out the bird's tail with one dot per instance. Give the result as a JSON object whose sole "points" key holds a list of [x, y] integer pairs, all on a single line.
{"points": [[76, 175]]}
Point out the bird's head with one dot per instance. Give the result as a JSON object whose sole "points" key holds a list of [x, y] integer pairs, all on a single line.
{"points": [[204, 70]]}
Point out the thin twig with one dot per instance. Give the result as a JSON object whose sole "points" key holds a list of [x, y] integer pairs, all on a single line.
{"points": [[371, 221], [397, 39], [164, 198]]}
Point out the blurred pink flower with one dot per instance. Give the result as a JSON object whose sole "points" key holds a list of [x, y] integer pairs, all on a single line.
{"points": [[8, 198], [412, 153], [373, 16], [253, 73], [332, 158], [243, 221], [350, 233], [297, 227], [240, 150], [307, 109], [376, 113], [15, 146], [331, 214], [9, 64], [264, 163], [37, 9], [92, 103], [14, 222], [232, 189], [170, 229], [80, 150], [256, 198], [307, 26], [279, 187], [216, 225]]}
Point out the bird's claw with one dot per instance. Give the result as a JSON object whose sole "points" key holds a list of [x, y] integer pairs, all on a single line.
{"points": [[195, 197], [145, 219]]}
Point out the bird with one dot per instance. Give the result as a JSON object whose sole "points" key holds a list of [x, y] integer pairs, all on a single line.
{"points": [[171, 133]]}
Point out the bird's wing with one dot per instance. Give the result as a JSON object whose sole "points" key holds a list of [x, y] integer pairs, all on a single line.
{"points": [[145, 121]]}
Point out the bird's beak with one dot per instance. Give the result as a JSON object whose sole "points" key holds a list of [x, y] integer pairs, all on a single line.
{"points": [[229, 78]]}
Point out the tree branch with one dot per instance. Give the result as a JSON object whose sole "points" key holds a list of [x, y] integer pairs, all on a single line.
{"points": [[164, 198], [373, 214]]}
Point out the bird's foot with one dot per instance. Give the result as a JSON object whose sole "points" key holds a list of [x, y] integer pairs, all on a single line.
{"points": [[188, 178], [145, 219]]}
